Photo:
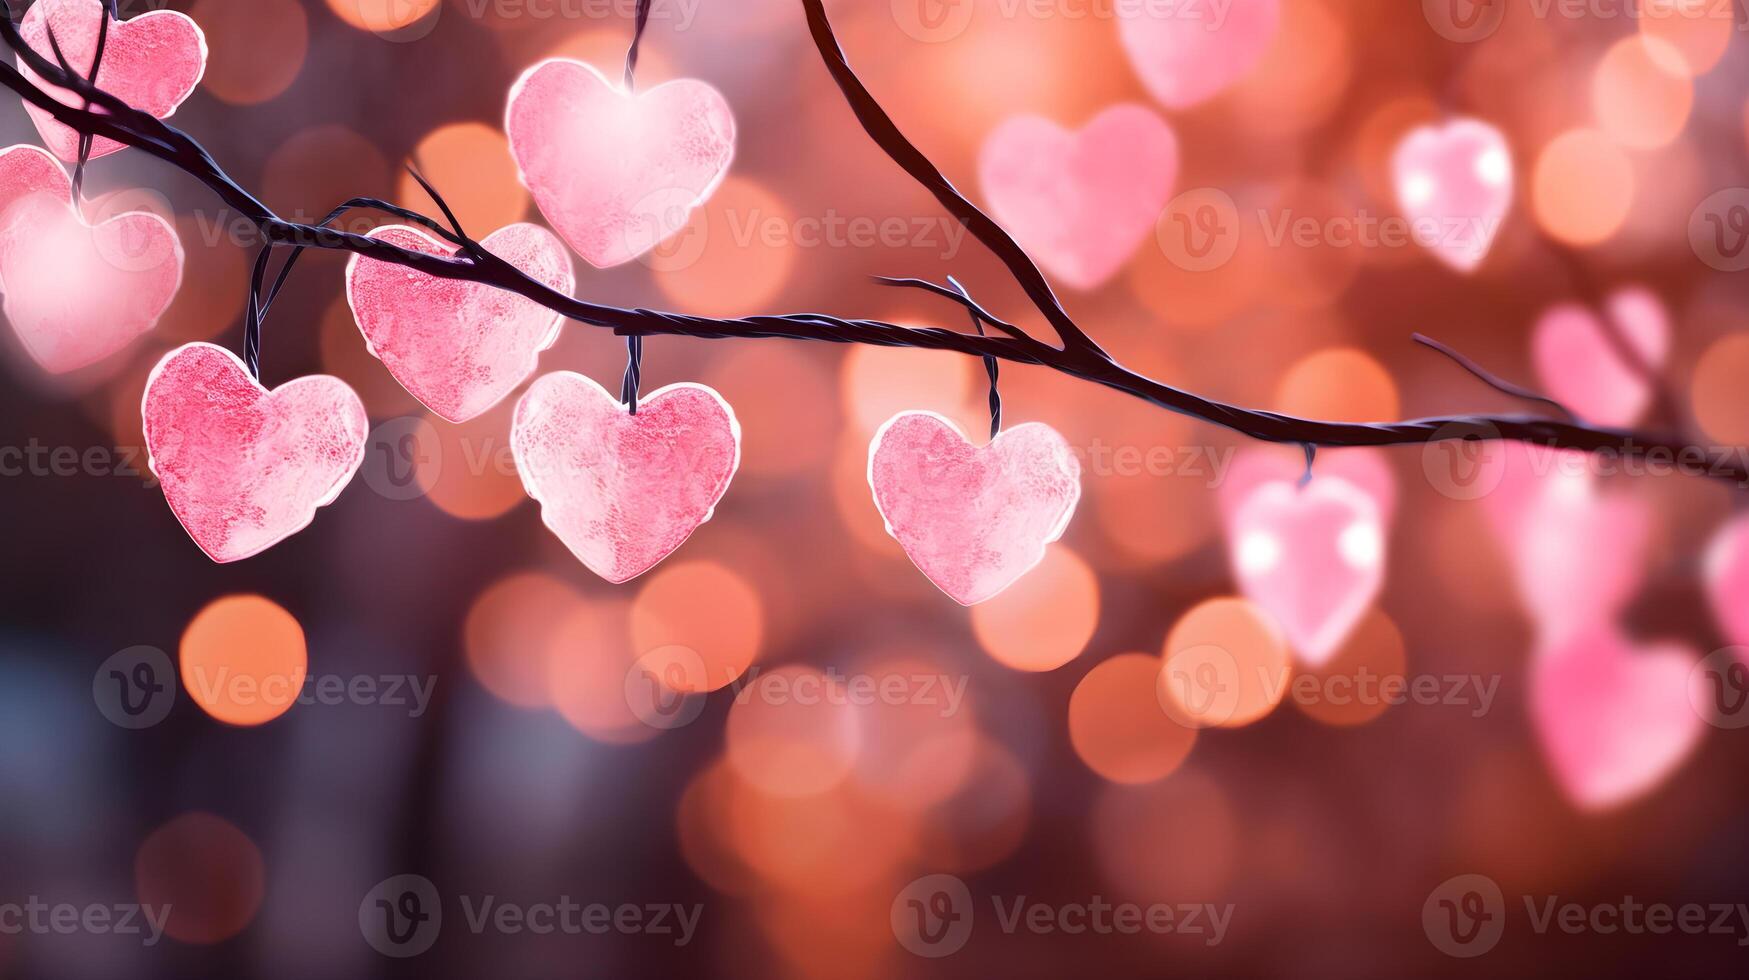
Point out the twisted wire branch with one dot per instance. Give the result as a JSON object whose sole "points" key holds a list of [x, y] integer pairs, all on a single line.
{"points": [[1079, 356]]}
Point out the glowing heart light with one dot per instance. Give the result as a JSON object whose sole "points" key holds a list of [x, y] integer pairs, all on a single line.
{"points": [[458, 347], [622, 491], [973, 519], [1454, 184], [75, 292], [1727, 579], [152, 62], [1613, 720], [1186, 53], [1080, 202], [1311, 554], [1583, 369], [616, 173], [244, 468]]}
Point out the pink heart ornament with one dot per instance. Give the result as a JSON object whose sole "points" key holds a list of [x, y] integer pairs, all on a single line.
{"points": [[458, 347], [1312, 555], [1454, 184], [973, 519], [1613, 719], [1727, 579], [244, 468], [616, 173], [1186, 53], [1582, 369], [623, 491], [77, 293], [152, 62], [1080, 202]]}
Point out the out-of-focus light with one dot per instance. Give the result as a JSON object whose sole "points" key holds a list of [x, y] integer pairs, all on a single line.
{"points": [[470, 165], [1045, 619], [983, 823], [471, 475], [1718, 395], [1179, 836], [1339, 384], [793, 732], [209, 300], [605, 49], [736, 251], [825, 844], [708, 608], [243, 660], [319, 167], [345, 356], [381, 16], [241, 71], [1641, 92], [507, 631], [1583, 187], [880, 382], [1301, 80], [786, 402], [919, 743], [1354, 686], [208, 875], [1118, 726], [588, 656], [707, 840], [1226, 664], [1698, 30]]}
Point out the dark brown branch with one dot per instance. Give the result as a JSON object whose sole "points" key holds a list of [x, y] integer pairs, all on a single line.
{"points": [[1080, 357]]}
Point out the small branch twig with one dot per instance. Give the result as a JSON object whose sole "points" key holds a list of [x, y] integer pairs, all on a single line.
{"points": [[1078, 357]]}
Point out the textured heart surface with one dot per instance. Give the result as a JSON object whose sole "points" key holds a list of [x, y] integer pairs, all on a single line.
{"points": [[1080, 202], [974, 519], [152, 62], [458, 347], [1454, 184], [1613, 719], [1727, 579], [1312, 555], [1584, 369], [77, 293], [244, 468], [1186, 53], [622, 491], [616, 173]]}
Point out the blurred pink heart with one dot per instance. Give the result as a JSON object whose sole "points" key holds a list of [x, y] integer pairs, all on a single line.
{"points": [[244, 468], [77, 293], [1613, 719], [1313, 556], [1582, 369], [1080, 202], [1186, 53], [152, 63], [615, 173], [973, 519], [1727, 579], [458, 347], [622, 491], [1454, 184]]}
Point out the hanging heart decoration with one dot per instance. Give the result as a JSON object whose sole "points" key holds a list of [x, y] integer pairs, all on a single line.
{"points": [[459, 347], [973, 519], [1584, 369], [1454, 184], [613, 172], [244, 468], [622, 491], [1186, 53], [152, 62]]}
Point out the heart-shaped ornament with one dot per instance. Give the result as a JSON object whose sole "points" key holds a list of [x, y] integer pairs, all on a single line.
{"points": [[616, 173], [1186, 53], [1454, 184], [1727, 579], [1583, 368], [1613, 719], [152, 62], [1080, 202], [622, 491], [1312, 555], [458, 347], [973, 519], [75, 292], [244, 468]]}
